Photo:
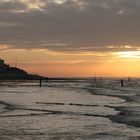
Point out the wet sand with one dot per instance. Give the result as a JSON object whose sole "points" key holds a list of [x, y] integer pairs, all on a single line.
{"points": [[68, 111], [129, 115]]}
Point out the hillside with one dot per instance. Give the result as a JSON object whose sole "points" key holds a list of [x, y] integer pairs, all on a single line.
{"points": [[12, 73]]}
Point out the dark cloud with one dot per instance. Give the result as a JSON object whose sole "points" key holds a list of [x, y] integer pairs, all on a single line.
{"points": [[73, 25], [11, 6]]}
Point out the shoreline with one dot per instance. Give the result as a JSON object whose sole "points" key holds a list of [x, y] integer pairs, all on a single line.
{"points": [[127, 115]]}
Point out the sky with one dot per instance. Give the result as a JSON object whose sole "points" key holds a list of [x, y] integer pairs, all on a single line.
{"points": [[71, 38]]}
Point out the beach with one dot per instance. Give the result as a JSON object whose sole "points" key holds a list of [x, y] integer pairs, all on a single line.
{"points": [[70, 110]]}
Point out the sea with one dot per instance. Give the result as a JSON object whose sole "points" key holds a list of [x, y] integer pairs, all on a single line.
{"points": [[70, 109]]}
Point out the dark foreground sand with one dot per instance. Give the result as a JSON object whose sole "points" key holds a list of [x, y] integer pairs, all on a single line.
{"points": [[128, 115]]}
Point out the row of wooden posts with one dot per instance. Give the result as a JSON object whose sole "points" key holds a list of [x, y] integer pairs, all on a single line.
{"points": [[122, 81], [95, 80]]}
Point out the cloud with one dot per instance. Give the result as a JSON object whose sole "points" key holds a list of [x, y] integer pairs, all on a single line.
{"points": [[71, 25], [11, 6]]}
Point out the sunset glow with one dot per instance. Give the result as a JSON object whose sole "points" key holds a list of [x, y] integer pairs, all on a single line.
{"points": [[57, 64], [129, 55]]}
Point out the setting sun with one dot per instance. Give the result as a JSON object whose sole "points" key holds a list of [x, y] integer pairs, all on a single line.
{"points": [[129, 54]]}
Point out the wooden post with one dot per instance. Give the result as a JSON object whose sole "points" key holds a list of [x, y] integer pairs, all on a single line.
{"points": [[101, 81], [46, 79], [95, 80], [122, 82], [40, 82], [129, 79], [101, 78]]}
